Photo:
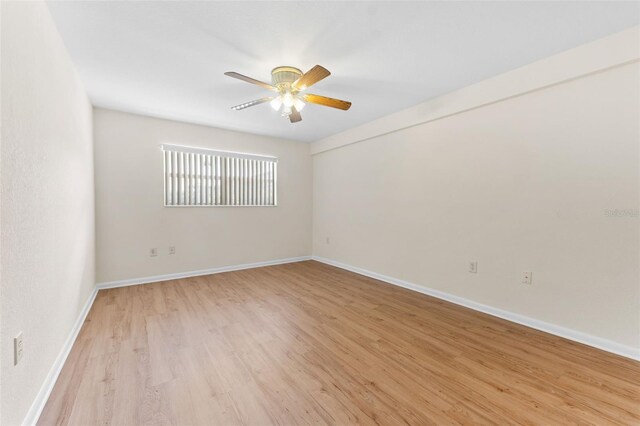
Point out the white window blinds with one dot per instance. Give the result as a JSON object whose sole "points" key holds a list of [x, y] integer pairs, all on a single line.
{"points": [[203, 177]]}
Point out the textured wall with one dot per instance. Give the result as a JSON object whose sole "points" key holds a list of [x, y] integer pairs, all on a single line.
{"points": [[47, 206], [131, 219]]}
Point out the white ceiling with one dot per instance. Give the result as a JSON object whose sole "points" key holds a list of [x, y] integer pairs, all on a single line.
{"points": [[167, 59]]}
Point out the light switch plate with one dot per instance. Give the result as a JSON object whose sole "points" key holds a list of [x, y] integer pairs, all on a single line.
{"points": [[18, 348]]}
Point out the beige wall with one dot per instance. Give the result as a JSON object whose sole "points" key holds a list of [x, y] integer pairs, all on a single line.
{"points": [[47, 213], [519, 185], [131, 219]]}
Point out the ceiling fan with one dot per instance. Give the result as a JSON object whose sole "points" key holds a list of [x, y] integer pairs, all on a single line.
{"points": [[289, 83]]}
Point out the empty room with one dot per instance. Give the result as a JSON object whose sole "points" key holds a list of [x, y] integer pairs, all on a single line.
{"points": [[319, 212]]}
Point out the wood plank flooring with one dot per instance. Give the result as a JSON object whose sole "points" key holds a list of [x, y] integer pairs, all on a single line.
{"points": [[307, 343]]}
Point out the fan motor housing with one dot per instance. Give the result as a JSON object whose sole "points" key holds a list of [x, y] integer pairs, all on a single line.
{"points": [[283, 77]]}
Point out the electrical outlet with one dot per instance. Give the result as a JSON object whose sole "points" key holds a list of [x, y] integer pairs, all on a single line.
{"points": [[172, 250], [527, 277], [328, 241], [18, 348], [473, 267], [153, 252]]}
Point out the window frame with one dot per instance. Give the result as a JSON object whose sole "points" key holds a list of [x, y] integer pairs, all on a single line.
{"points": [[223, 155]]}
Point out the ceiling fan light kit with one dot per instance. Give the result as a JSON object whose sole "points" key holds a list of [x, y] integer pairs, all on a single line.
{"points": [[289, 83]]}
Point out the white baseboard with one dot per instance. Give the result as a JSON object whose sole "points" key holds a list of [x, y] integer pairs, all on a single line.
{"points": [[567, 333], [45, 390], [166, 277]]}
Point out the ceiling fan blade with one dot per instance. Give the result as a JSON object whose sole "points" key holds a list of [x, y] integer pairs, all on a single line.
{"points": [[311, 77], [324, 101], [295, 116], [250, 80], [251, 103]]}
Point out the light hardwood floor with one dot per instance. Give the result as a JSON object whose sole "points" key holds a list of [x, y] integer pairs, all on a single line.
{"points": [[308, 343]]}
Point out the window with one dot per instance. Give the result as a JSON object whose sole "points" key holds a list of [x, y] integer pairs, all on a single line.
{"points": [[203, 177]]}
